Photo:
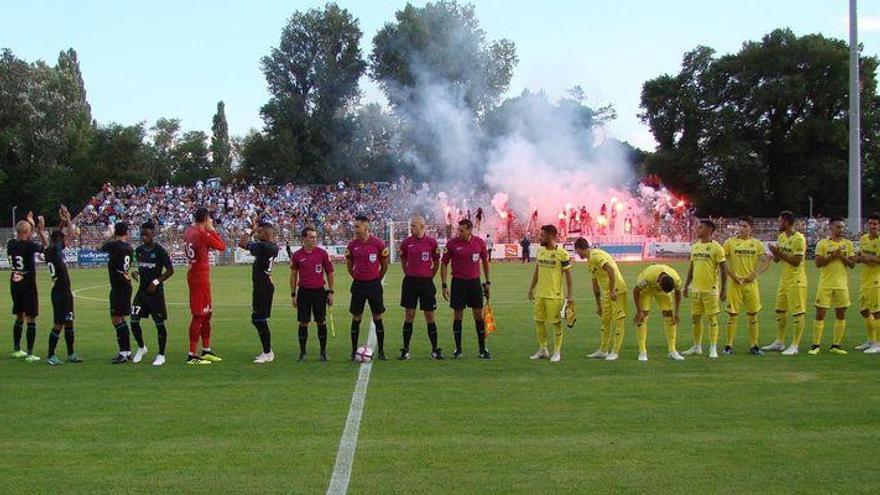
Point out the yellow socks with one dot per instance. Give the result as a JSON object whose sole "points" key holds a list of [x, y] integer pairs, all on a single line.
{"points": [[818, 330], [713, 329], [798, 325], [698, 330], [670, 329], [619, 325], [839, 330], [557, 330], [541, 331], [781, 323], [642, 336], [753, 330], [605, 336], [731, 328]]}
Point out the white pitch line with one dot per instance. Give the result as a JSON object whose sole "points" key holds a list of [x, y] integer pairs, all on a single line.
{"points": [[348, 443]]}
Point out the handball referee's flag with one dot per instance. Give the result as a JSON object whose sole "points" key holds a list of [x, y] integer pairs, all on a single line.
{"points": [[489, 320]]}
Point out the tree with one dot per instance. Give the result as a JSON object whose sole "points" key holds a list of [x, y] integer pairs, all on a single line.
{"points": [[442, 76], [762, 129], [221, 149], [313, 78], [191, 158]]}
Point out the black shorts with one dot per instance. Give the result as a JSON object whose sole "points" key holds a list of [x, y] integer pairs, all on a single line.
{"points": [[62, 305], [24, 298], [363, 292], [311, 302], [148, 305], [418, 292], [120, 301], [466, 293], [261, 301]]}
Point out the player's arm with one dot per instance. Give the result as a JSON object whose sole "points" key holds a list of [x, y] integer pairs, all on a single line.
{"points": [[848, 258], [569, 293], [533, 283], [637, 300], [690, 278], [41, 231], [244, 240], [597, 294], [822, 258], [677, 298], [612, 281], [168, 267], [435, 256], [349, 263]]}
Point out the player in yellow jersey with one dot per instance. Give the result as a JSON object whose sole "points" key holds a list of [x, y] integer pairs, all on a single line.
{"points": [[869, 291], [657, 282], [834, 256], [706, 286], [609, 288], [553, 263], [791, 296], [746, 262]]}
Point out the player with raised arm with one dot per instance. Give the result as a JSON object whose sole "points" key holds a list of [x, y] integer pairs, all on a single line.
{"points": [[264, 250], [62, 297], [199, 239], [23, 283]]}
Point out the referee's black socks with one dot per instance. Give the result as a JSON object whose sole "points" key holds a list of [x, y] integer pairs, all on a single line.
{"points": [[432, 335], [303, 339], [380, 334], [355, 335], [407, 333], [322, 337], [456, 332], [481, 333]]}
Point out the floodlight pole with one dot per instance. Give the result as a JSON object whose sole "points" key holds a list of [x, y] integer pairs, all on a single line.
{"points": [[855, 167]]}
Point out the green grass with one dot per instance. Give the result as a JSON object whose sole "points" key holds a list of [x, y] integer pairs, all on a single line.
{"points": [[738, 424]]}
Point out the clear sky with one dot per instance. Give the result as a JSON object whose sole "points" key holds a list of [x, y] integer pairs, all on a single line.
{"points": [[145, 60]]}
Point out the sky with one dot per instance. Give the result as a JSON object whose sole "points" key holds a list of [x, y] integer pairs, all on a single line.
{"points": [[145, 60]]}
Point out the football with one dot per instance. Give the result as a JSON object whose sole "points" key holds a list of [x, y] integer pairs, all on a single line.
{"points": [[364, 354]]}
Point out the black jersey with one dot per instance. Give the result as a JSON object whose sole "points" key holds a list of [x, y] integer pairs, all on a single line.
{"points": [[150, 264], [21, 260], [265, 253], [57, 266], [120, 261]]}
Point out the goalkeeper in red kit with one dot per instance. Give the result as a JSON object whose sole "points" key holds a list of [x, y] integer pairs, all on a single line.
{"points": [[200, 238]]}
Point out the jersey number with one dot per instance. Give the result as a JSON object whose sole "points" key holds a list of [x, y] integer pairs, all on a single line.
{"points": [[17, 262], [126, 263]]}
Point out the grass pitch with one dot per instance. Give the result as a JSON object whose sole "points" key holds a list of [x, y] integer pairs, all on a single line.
{"points": [[770, 424]]}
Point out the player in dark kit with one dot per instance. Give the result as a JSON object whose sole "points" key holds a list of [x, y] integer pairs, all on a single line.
{"points": [[120, 290], [366, 258], [23, 283], [264, 251], [62, 297], [420, 260], [466, 252], [309, 266], [153, 269]]}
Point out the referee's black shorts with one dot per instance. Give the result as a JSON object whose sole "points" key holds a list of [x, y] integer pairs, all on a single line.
{"points": [[466, 293], [309, 303], [364, 292], [418, 292]]}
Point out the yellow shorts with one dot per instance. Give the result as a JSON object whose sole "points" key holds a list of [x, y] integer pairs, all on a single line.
{"points": [[548, 310], [832, 298], [791, 299], [869, 299], [705, 303], [745, 297], [613, 310], [663, 299]]}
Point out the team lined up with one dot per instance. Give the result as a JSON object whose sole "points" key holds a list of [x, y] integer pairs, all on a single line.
{"points": [[716, 274]]}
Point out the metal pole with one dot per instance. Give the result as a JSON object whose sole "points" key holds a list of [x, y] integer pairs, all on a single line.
{"points": [[855, 154], [811, 205], [13, 215]]}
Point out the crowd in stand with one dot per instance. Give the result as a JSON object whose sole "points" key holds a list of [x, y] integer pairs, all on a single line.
{"points": [[332, 208]]}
